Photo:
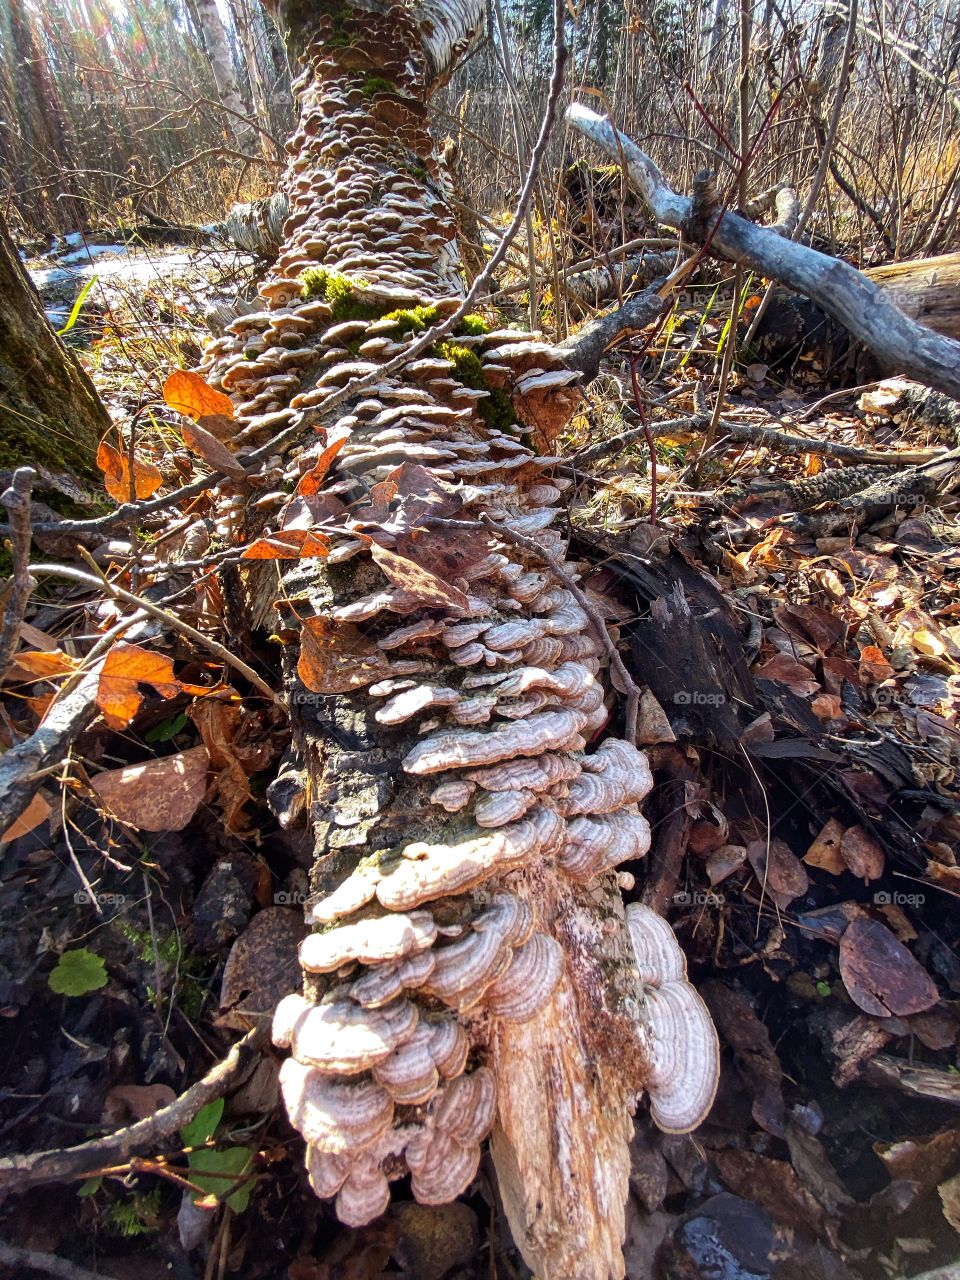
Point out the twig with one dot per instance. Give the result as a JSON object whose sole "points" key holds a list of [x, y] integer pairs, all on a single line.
{"points": [[780, 440], [164, 616], [48, 1263], [66, 1164], [17, 501], [627, 685], [73, 708]]}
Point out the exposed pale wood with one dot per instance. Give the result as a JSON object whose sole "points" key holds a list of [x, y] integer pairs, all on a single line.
{"points": [[927, 290]]}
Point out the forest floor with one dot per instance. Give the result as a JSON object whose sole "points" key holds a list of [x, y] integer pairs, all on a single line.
{"points": [[799, 649]]}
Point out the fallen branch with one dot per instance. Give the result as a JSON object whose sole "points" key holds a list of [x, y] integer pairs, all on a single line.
{"points": [[48, 1263], [782, 441], [843, 292], [67, 1164], [584, 351]]}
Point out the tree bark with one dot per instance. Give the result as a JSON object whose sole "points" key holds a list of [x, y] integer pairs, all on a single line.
{"points": [[217, 46], [384, 736], [50, 414]]}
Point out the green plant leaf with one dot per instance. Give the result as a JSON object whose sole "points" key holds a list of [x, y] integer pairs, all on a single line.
{"points": [[203, 1125], [224, 1161], [78, 973], [823, 989], [74, 315], [166, 729], [90, 1187]]}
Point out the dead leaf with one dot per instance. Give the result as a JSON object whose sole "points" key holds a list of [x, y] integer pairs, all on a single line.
{"points": [[824, 853], [873, 667], [262, 966], [214, 453], [418, 581], [238, 746], [449, 556], [190, 395], [310, 482], [37, 811], [811, 624], [779, 870], [127, 666], [337, 657], [288, 544], [862, 854], [652, 723], [219, 425], [950, 1199], [724, 861], [924, 1160], [126, 1102], [159, 795], [33, 664], [786, 670], [115, 466], [826, 706], [881, 976]]}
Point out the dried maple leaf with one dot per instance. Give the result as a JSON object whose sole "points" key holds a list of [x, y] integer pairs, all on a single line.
{"points": [[159, 795], [189, 394], [335, 657], [115, 466], [310, 482], [126, 666]]}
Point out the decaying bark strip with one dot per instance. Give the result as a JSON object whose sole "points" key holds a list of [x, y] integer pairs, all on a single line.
{"points": [[473, 965]]}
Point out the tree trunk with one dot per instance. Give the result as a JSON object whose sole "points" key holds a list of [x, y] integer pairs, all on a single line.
{"points": [[50, 414], [474, 926], [217, 46]]}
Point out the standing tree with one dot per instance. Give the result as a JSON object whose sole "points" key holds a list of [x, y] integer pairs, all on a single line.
{"points": [[49, 411]]}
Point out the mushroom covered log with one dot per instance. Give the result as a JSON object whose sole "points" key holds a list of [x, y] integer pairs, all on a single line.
{"points": [[471, 968]]}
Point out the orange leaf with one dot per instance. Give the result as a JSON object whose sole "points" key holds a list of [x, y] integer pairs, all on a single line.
{"points": [[337, 657], [288, 544], [418, 581], [126, 666], [874, 668], [160, 795], [115, 466], [37, 811], [35, 664], [311, 482], [211, 450], [190, 395]]}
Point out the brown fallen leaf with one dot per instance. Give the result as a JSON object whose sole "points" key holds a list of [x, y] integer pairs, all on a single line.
{"points": [[214, 453], [926, 1160], [949, 1192], [862, 854], [826, 706], [810, 623], [873, 666], [218, 424], [238, 746], [190, 395], [824, 853], [420, 582], [126, 1102], [262, 966], [126, 666], [159, 795], [786, 670], [115, 466], [337, 657], [288, 544], [779, 870], [37, 811], [724, 861], [37, 664], [881, 976]]}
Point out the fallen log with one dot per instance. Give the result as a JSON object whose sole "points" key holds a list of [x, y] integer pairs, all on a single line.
{"points": [[861, 305]]}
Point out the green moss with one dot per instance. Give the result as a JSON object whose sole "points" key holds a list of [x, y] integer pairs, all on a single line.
{"points": [[466, 365], [412, 320], [472, 326], [377, 84], [137, 1216], [341, 293]]}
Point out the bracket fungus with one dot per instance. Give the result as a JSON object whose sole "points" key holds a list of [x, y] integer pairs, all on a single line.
{"points": [[464, 831]]}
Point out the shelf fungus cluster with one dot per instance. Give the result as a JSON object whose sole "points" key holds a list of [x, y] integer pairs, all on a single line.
{"points": [[464, 805]]}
